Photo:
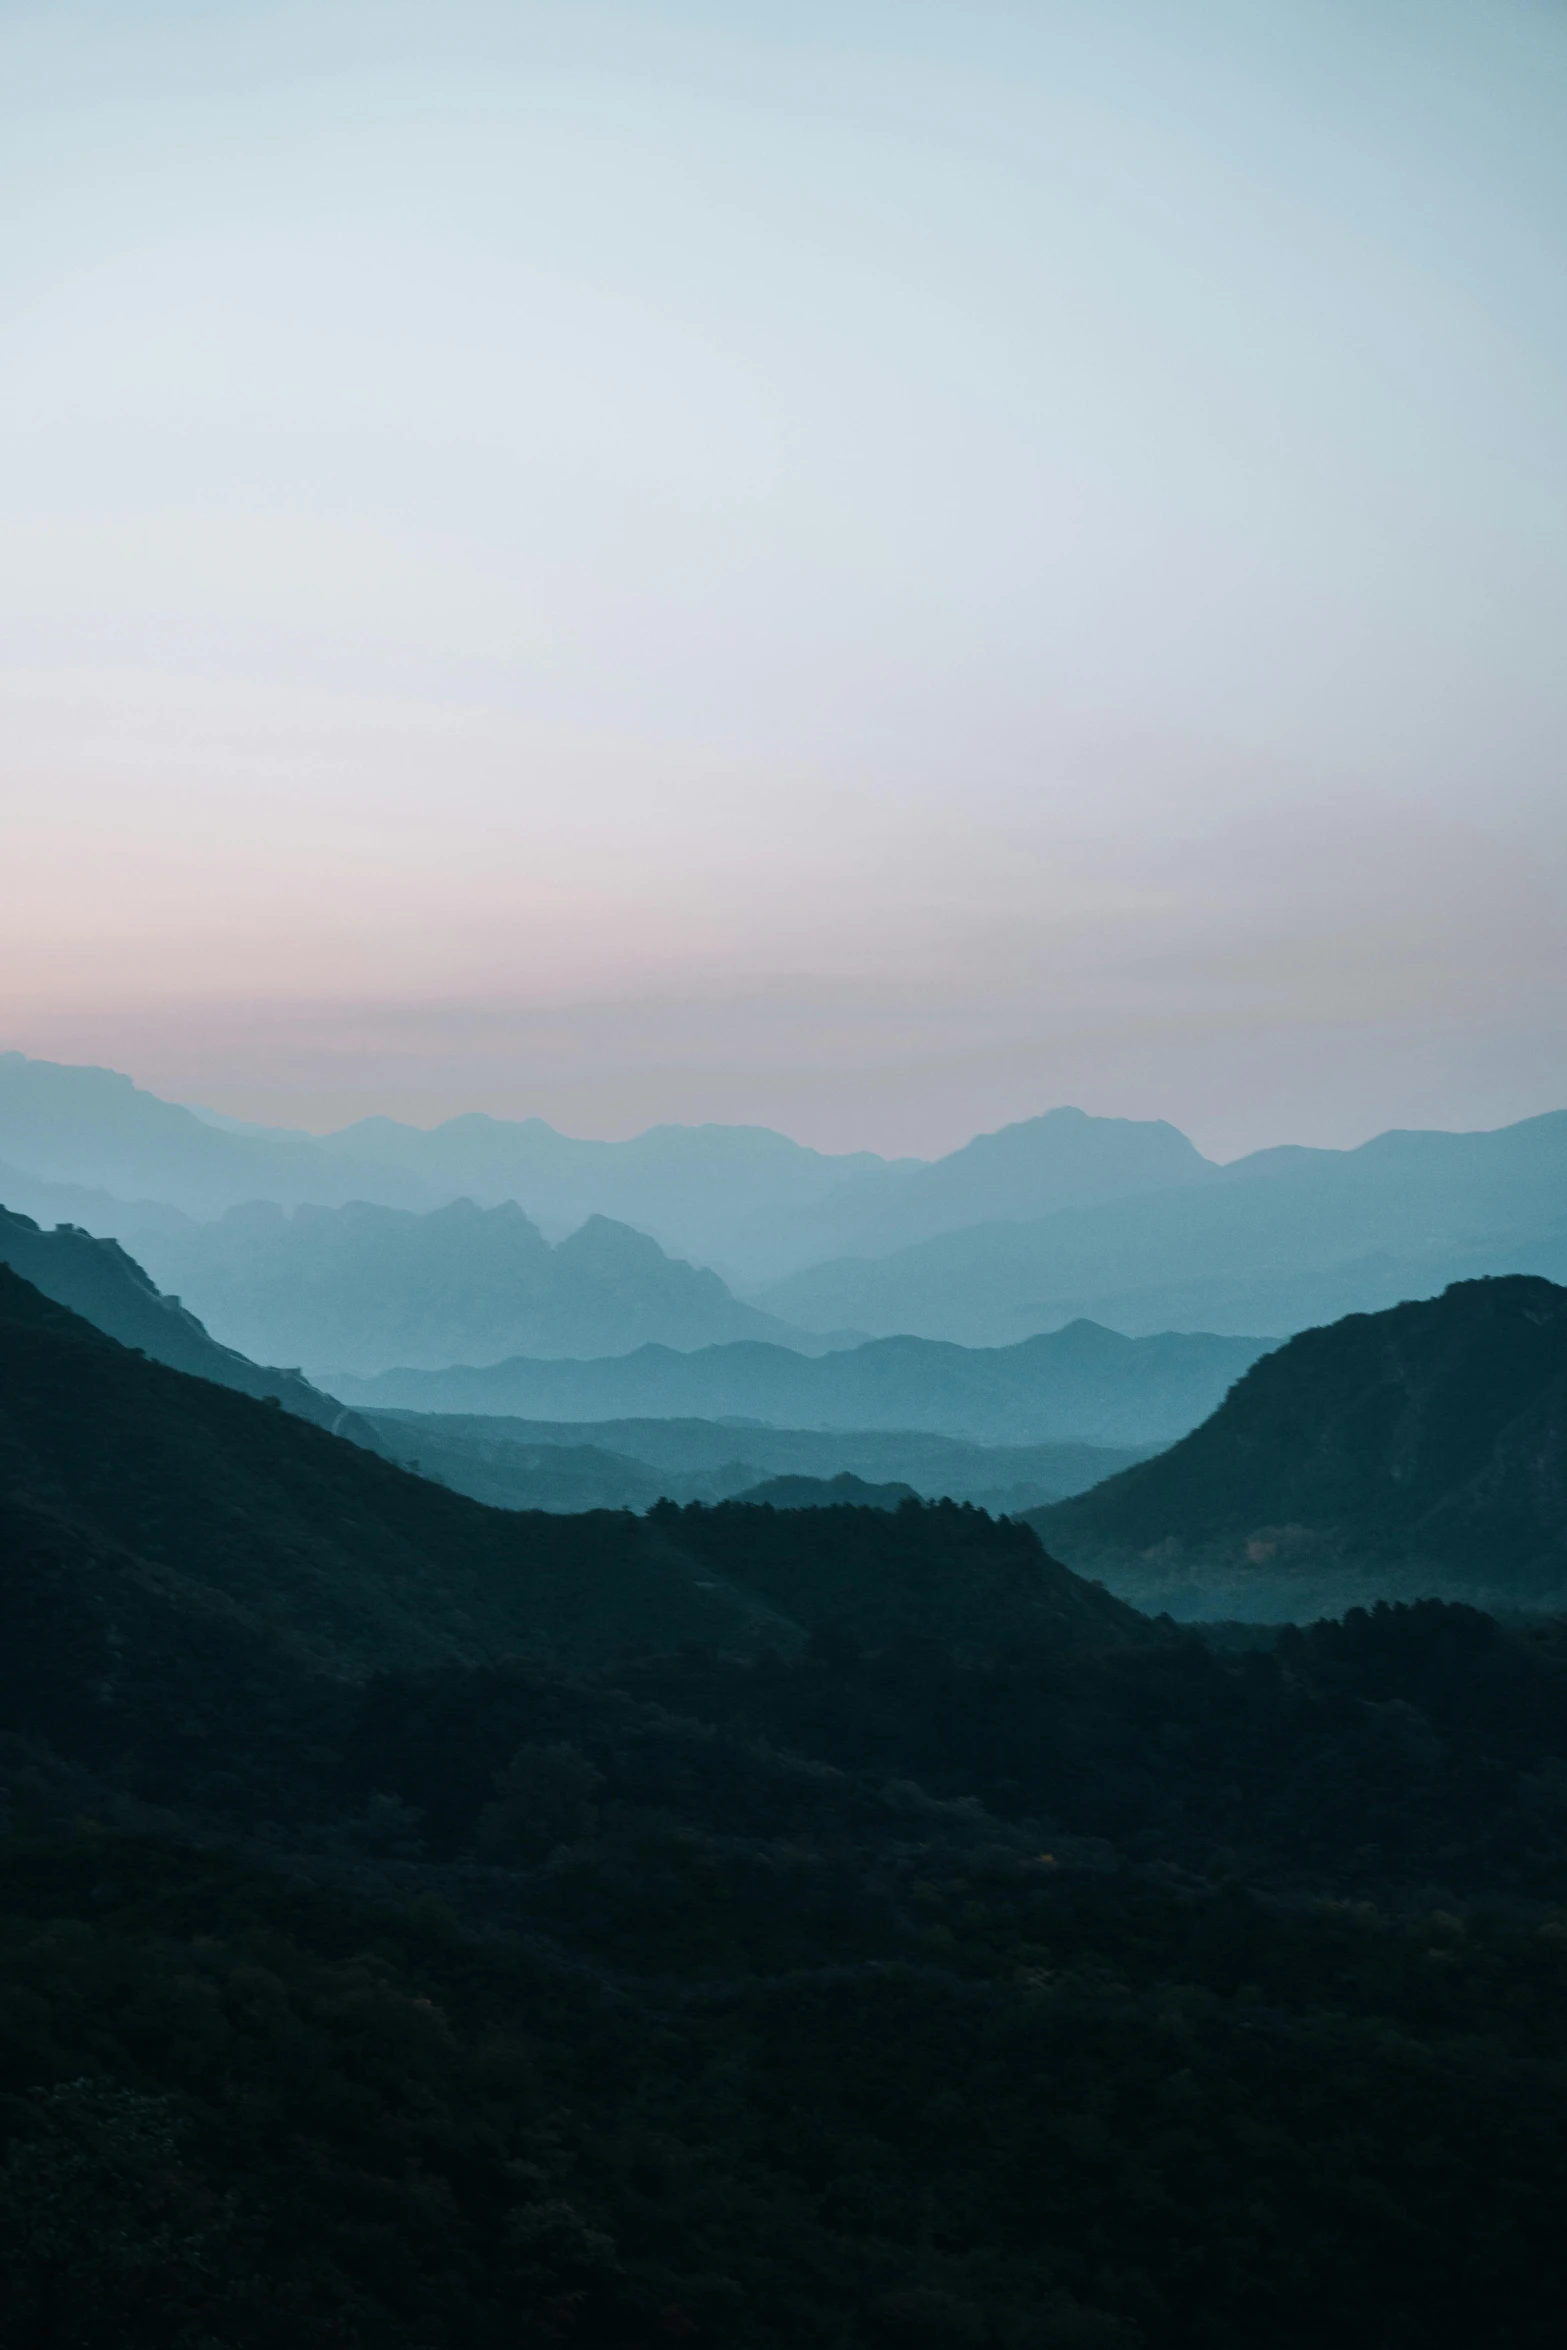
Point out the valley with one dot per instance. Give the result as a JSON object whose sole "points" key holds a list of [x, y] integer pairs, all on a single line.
{"points": [[758, 1836]]}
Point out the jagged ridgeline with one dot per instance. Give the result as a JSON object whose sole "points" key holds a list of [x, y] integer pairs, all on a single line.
{"points": [[1058, 1218], [361, 1287]]}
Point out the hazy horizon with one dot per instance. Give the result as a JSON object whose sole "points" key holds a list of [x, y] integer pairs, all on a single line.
{"points": [[324, 1126], [205, 1110], [862, 570]]}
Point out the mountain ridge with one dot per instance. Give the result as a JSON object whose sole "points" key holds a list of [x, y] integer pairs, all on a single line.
{"points": [[1083, 1384], [1278, 1240], [126, 1482], [1417, 1452], [629, 1464], [1142, 1232], [99, 1281], [364, 1287]]}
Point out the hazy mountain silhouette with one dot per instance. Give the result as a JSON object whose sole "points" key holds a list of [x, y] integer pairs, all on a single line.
{"points": [[629, 1464], [696, 1188], [99, 1281], [1276, 1241], [1079, 1385], [1418, 1451], [1064, 1159], [363, 1288], [1055, 1218], [93, 1128], [738, 1196]]}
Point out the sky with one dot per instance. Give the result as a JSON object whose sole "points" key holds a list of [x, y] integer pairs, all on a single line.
{"points": [[871, 569]]}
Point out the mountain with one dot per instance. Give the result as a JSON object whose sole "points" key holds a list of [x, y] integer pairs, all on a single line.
{"points": [[1081, 1385], [1422, 1450], [85, 1144], [87, 1127], [1055, 1219], [825, 1493], [629, 1464], [99, 1281], [134, 1486], [1276, 1241], [910, 1946], [87, 1206], [741, 1197], [698, 1189], [1064, 1159], [361, 1288]]}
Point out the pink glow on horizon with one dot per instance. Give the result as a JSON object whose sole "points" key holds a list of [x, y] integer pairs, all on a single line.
{"points": [[869, 572]]}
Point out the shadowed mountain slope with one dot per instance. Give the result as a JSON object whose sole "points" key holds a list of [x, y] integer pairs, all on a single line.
{"points": [[361, 1287], [1419, 1450], [346, 1563], [99, 1281], [991, 1968], [1079, 1385], [325, 1554]]}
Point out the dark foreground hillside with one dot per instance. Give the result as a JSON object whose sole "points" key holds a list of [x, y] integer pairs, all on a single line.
{"points": [[966, 1961], [1420, 1451], [98, 1280]]}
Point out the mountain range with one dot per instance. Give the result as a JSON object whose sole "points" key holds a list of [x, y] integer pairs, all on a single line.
{"points": [[1056, 1218], [553, 1466], [1278, 1241], [362, 1288], [1080, 1385], [1418, 1451], [89, 1137]]}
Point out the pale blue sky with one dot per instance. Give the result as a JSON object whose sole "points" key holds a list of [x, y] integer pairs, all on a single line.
{"points": [[871, 568]]}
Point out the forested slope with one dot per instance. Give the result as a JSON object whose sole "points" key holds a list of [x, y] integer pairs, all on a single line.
{"points": [[1419, 1450], [108, 1288], [918, 1949]]}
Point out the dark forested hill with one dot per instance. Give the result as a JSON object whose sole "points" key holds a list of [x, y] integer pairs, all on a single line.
{"points": [[907, 1947], [350, 1564], [1419, 1450], [99, 1281]]}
